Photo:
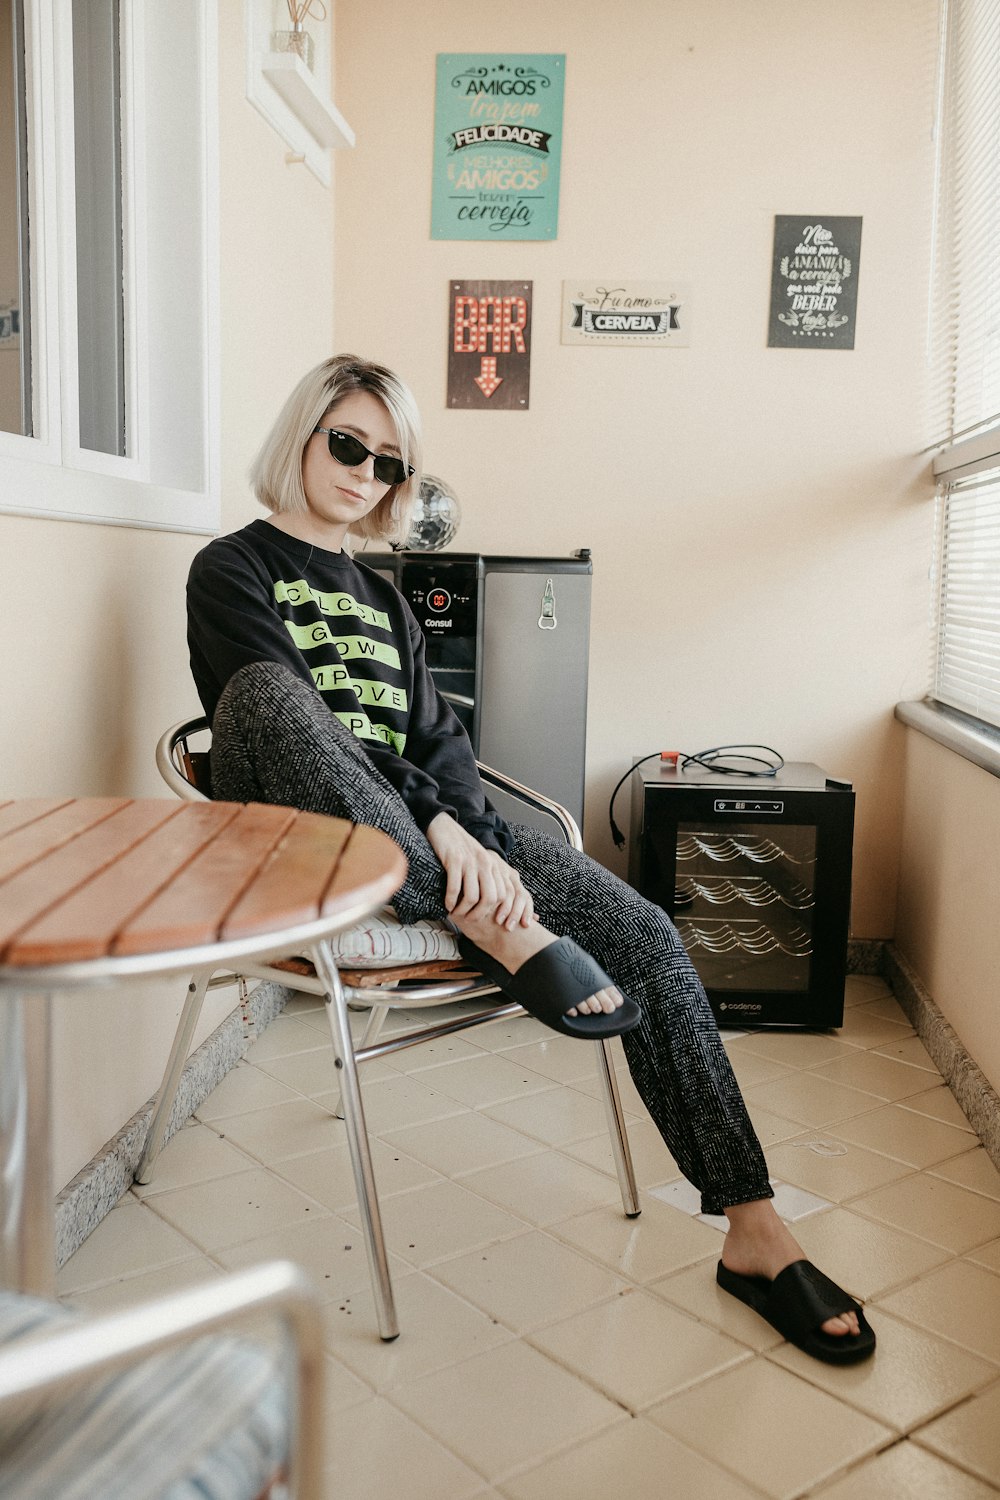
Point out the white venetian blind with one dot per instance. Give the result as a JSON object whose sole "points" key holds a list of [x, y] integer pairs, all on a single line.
{"points": [[965, 361], [967, 659], [965, 311]]}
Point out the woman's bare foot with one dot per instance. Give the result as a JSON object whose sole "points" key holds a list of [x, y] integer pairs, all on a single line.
{"points": [[761, 1244], [514, 947]]}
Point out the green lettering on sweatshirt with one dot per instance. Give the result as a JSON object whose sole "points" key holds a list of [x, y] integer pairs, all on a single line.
{"points": [[378, 694], [363, 729], [308, 637], [300, 592]]}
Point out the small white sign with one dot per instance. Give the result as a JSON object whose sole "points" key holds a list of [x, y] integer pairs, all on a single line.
{"points": [[636, 313]]}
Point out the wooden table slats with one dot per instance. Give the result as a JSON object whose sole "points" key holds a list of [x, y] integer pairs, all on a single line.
{"points": [[111, 878], [191, 910], [26, 810], [41, 886], [87, 923], [354, 870], [295, 877], [41, 835]]}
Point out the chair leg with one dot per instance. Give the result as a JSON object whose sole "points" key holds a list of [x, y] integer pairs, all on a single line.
{"points": [[164, 1106], [620, 1149], [370, 1035], [357, 1141]]}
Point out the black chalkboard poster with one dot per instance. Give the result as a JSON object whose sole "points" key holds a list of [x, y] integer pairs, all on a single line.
{"points": [[814, 282]]}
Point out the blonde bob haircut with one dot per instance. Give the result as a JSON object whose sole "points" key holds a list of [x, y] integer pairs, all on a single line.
{"points": [[276, 472]]}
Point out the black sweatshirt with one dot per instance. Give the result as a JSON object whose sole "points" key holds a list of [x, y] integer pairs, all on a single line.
{"points": [[261, 595]]}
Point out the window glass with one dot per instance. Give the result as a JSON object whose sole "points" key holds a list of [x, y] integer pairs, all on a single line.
{"points": [[15, 341], [99, 286]]}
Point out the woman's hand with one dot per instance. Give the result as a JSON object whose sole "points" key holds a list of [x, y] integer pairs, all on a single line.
{"points": [[479, 882]]}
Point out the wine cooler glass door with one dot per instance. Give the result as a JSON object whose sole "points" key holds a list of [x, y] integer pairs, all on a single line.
{"points": [[744, 904]]}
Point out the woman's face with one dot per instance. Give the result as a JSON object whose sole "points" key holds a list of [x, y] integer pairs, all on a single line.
{"points": [[338, 495]]}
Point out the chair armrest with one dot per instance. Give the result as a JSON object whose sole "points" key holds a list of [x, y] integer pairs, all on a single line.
{"points": [[172, 753], [70, 1355], [566, 821]]}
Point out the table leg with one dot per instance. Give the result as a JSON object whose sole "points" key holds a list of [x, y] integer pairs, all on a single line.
{"points": [[27, 1210], [164, 1106], [357, 1141]]}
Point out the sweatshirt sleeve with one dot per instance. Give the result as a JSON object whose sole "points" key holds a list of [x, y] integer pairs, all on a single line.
{"points": [[438, 745], [232, 622]]}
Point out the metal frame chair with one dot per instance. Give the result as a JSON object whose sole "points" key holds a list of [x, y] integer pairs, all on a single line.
{"points": [[77, 1356], [185, 772]]}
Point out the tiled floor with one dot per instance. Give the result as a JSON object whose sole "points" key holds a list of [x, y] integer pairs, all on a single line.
{"points": [[552, 1349]]}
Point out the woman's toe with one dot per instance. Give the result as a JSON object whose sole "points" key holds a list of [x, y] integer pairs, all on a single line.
{"points": [[845, 1325], [605, 1002]]}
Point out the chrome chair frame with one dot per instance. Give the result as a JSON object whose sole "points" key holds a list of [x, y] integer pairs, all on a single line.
{"points": [[178, 768], [60, 1359]]}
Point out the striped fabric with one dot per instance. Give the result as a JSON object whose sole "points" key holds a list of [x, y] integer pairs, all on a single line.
{"points": [[208, 1422], [383, 940]]}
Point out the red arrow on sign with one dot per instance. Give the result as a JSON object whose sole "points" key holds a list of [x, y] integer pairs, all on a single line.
{"points": [[488, 379]]}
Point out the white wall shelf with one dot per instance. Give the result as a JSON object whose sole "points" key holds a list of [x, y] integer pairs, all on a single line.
{"points": [[292, 97], [289, 75]]}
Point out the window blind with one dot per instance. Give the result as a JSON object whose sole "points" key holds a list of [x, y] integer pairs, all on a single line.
{"points": [[967, 655], [965, 306], [965, 361]]}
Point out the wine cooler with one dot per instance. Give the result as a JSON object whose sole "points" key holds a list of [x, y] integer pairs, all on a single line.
{"points": [[756, 874]]}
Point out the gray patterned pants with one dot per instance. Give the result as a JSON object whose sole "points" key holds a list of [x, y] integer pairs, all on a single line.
{"points": [[274, 740]]}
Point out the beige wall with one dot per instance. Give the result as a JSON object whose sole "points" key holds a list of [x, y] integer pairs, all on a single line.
{"points": [[94, 658], [758, 522], [949, 896]]}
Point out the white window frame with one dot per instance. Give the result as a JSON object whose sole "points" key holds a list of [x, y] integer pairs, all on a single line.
{"points": [[170, 479]]}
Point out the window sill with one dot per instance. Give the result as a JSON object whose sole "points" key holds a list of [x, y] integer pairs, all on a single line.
{"points": [[968, 737]]}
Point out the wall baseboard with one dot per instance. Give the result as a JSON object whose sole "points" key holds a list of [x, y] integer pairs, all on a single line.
{"points": [[865, 955], [107, 1177], [976, 1096]]}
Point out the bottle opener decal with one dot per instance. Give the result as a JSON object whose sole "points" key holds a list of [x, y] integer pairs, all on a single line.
{"points": [[547, 618]]}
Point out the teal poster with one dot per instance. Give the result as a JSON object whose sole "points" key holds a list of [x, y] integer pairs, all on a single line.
{"points": [[497, 146]]}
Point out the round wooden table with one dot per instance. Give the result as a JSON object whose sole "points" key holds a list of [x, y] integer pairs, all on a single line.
{"points": [[102, 889]]}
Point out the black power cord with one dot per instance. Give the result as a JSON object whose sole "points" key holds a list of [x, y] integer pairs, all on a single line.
{"points": [[719, 758]]}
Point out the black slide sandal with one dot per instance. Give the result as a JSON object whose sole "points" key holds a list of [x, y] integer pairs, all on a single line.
{"points": [[796, 1303], [555, 980]]}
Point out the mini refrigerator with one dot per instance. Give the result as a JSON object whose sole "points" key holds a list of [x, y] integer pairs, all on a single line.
{"points": [[508, 644], [756, 875]]}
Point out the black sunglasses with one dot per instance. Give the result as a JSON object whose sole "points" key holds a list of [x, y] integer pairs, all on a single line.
{"points": [[349, 450]]}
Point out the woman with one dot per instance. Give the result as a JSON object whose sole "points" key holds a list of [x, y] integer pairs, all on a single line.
{"points": [[311, 668]]}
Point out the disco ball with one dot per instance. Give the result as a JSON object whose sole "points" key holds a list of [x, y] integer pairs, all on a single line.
{"points": [[435, 516]]}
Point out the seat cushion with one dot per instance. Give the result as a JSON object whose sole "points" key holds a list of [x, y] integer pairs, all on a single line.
{"points": [[209, 1421], [382, 940]]}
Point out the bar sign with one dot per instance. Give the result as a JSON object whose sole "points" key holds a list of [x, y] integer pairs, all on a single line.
{"points": [[489, 345]]}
